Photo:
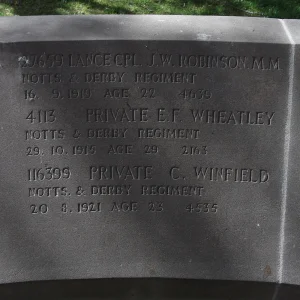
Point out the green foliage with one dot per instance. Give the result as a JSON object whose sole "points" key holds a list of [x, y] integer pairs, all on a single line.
{"points": [[261, 8]]}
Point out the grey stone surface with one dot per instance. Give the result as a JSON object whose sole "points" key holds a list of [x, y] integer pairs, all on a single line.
{"points": [[148, 146], [143, 27], [290, 218]]}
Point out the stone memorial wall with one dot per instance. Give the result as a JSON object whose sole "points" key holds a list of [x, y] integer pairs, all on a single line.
{"points": [[149, 146]]}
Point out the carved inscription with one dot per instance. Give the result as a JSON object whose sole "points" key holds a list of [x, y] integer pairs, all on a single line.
{"points": [[145, 127]]}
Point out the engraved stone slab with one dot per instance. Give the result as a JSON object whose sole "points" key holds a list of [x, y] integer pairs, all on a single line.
{"points": [[143, 146]]}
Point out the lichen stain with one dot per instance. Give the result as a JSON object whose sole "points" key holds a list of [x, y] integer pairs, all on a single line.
{"points": [[203, 37], [267, 271]]}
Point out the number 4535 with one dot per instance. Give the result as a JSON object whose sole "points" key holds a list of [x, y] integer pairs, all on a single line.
{"points": [[202, 208]]}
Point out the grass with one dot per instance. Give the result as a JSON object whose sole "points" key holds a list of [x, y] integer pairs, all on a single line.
{"points": [[261, 8]]}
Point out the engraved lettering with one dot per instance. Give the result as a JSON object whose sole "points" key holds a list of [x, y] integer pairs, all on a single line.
{"points": [[147, 77], [168, 133], [45, 134], [121, 172], [170, 190], [231, 174], [110, 190], [232, 117], [104, 77], [108, 115], [106, 133]]}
